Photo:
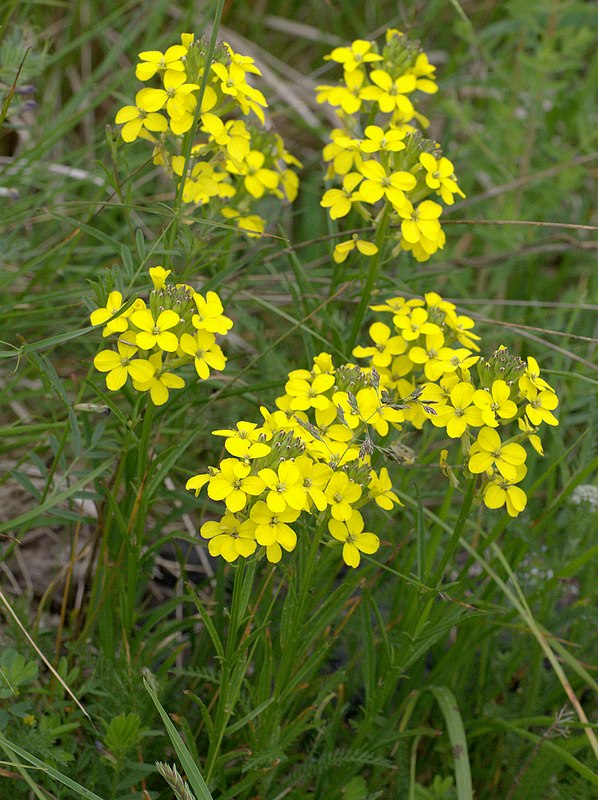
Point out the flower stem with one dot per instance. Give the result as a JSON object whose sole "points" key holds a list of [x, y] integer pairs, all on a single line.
{"points": [[188, 140], [372, 275]]}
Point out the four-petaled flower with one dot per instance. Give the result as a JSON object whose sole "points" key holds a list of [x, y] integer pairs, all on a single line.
{"points": [[339, 201], [495, 403], [230, 537], [122, 364], [385, 348], [389, 93], [160, 382], [232, 483], [142, 115], [489, 452], [156, 331], [153, 61], [207, 355], [285, 487], [353, 57], [272, 530], [355, 541], [340, 493]]}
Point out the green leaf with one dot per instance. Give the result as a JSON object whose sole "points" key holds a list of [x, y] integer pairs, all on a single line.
{"points": [[80, 791], [454, 724], [15, 671], [123, 734], [190, 768]]}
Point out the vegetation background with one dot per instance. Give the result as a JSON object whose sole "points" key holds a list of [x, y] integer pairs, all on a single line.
{"points": [[486, 676]]}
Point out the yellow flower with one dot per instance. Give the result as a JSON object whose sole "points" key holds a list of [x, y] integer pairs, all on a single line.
{"points": [[380, 490], [122, 364], [209, 315], [343, 152], [421, 221], [531, 379], [488, 452], [378, 184], [340, 493], [233, 135], [245, 441], [389, 93], [440, 177], [232, 483], [540, 406], [314, 477], [460, 414], [530, 430], [155, 61], [385, 346], [424, 74], [160, 382], [501, 492], [258, 179], [342, 249], [178, 99], [285, 487], [412, 325], [156, 331], [309, 393], [379, 139], [495, 403], [355, 56], [251, 225], [348, 97], [232, 82], [339, 200], [424, 248], [230, 538], [433, 356], [100, 315], [355, 541], [374, 412], [246, 63], [272, 530], [142, 115], [206, 353], [158, 276]]}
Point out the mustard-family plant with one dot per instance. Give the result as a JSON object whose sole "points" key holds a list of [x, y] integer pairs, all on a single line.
{"points": [[389, 174], [301, 558], [154, 340], [314, 454], [206, 124]]}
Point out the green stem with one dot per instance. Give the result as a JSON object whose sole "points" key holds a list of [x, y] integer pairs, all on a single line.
{"points": [[136, 526], [457, 532], [188, 140], [234, 664], [374, 267]]}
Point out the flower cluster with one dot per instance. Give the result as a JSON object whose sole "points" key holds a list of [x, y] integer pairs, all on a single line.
{"points": [[313, 455], [386, 169], [179, 326], [231, 164], [310, 456], [430, 353]]}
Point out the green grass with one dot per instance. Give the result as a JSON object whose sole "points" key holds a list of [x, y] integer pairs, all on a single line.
{"points": [[458, 661]]}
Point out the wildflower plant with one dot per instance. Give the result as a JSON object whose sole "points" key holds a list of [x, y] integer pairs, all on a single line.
{"points": [[322, 588], [314, 455], [208, 132], [386, 172], [156, 339]]}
